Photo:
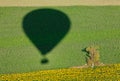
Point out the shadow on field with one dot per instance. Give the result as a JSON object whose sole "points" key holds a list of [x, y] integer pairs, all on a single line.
{"points": [[46, 28]]}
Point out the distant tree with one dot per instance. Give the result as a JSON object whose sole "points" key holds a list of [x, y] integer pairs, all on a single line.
{"points": [[93, 56]]}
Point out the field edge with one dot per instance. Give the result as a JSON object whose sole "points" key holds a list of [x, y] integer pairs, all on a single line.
{"points": [[109, 72]]}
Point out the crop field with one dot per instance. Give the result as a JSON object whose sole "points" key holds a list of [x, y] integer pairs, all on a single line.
{"points": [[104, 73], [88, 25], [58, 2]]}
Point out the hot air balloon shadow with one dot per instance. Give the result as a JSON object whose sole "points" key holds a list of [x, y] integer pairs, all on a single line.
{"points": [[46, 28]]}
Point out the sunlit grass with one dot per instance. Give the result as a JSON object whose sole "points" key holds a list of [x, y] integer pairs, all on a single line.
{"points": [[89, 26]]}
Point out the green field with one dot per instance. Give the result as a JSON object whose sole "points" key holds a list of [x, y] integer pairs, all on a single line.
{"points": [[95, 25]]}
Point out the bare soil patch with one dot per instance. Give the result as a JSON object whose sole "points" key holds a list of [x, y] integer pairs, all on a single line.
{"points": [[86, 66], [58, 2]]}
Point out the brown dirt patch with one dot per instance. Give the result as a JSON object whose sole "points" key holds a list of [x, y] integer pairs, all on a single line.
{"points": [[58, 2], [86, 66]]}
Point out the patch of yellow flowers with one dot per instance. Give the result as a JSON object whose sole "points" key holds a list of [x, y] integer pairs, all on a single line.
{"points": [[101, 73]]}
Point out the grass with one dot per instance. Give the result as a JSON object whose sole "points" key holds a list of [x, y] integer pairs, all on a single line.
{"points": [[89, 26], [106, 73]]}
